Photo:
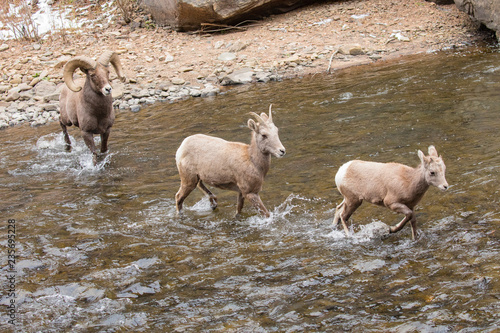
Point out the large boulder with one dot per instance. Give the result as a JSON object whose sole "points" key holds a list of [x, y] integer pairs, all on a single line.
{"points": [[184, 15], [486, 12]]}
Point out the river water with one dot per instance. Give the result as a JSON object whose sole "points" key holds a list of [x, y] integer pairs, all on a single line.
{"points": [[100, 249]]}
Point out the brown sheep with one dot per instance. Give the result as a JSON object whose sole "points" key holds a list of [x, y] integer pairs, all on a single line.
{"points": [[90, 108]]}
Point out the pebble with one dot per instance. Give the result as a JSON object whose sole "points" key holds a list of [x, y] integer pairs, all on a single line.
{"points": [[226, 56]]}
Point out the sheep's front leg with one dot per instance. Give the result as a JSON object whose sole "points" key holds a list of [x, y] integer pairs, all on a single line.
{"points": [[104, 141], [66, 136], [241, 201], [257, 203], [403, 209], [89, 141]]}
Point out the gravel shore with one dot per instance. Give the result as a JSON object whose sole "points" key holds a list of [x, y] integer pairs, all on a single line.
{"points": [[165, 66]]}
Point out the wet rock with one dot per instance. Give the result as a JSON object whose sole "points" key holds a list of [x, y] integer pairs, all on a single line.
{"points": [[139, 93], [241, 76], [263, 76], [209, 90]]}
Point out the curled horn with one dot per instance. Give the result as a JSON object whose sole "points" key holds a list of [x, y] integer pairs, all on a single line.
{"points": [[82, 62], [111, 57]]}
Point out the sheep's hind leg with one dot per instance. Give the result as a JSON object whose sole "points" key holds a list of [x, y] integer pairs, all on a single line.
{"points": [[347, 209], [66, 136], [211, 196], [336, 218]]}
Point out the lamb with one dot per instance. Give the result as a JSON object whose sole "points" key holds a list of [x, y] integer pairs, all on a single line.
{"points": [[90, 108], [229, 165], [393, 185]]}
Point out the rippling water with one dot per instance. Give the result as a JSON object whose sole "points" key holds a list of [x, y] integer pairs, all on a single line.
{"points": [[101, 248]]}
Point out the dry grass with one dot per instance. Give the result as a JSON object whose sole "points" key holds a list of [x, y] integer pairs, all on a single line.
{"points": [[16, 15]]}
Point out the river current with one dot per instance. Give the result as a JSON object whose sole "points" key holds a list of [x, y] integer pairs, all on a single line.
{"points": [[101, 249]]}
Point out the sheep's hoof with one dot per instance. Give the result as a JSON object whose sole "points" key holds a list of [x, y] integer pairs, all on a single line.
{"points": [[67, 148], [213, 203]]}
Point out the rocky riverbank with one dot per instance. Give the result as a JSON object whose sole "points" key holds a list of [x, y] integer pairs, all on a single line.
{"points": [[165, 66]]}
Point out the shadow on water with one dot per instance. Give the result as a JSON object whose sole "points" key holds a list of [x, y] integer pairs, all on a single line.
{"points": [[101, 248]]}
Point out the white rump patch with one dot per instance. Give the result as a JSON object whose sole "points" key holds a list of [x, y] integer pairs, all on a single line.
{"points": [[339, 177]]}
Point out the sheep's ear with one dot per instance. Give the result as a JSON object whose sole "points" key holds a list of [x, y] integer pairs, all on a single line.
{"points": [[421, 156], [253, 125], [433, 151]]}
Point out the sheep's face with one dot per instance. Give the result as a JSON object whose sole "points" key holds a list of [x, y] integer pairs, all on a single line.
{"points": [[435, 173], [434, 169], [99, 80], [267, 138]]}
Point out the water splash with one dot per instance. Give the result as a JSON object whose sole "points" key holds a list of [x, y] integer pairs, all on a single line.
{"points": [[52, 157]]}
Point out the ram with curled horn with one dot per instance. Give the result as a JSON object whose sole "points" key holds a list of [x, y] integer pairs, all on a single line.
{"points": [[87, 102], [203, 159]]}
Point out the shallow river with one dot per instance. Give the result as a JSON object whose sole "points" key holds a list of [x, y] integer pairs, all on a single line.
{"points": [[101, 248]]}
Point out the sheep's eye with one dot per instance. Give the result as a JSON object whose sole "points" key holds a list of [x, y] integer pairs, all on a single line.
{"points": [[433, 173], [264, 136]]}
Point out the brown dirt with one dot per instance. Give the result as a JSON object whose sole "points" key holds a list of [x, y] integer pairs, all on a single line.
{"points": [[307, 40]]}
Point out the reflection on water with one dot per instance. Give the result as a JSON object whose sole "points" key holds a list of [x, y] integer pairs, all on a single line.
{"points": [[101, 248]]}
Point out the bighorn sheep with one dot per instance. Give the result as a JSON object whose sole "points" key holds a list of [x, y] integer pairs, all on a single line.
{"points": [[393, 185], [229, 165], [90, 108]]}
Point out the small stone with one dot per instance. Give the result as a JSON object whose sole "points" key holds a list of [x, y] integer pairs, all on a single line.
{"points": [[44, 88], [227, 56], [169, 57], [135, 108], [48, 107], [36, 46], [4, 47], [178, 81], [61, 61], [237, 46], [35, 81], [23, 87], [353, 49], [13, 97], [51, 97], [16, 79]]}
